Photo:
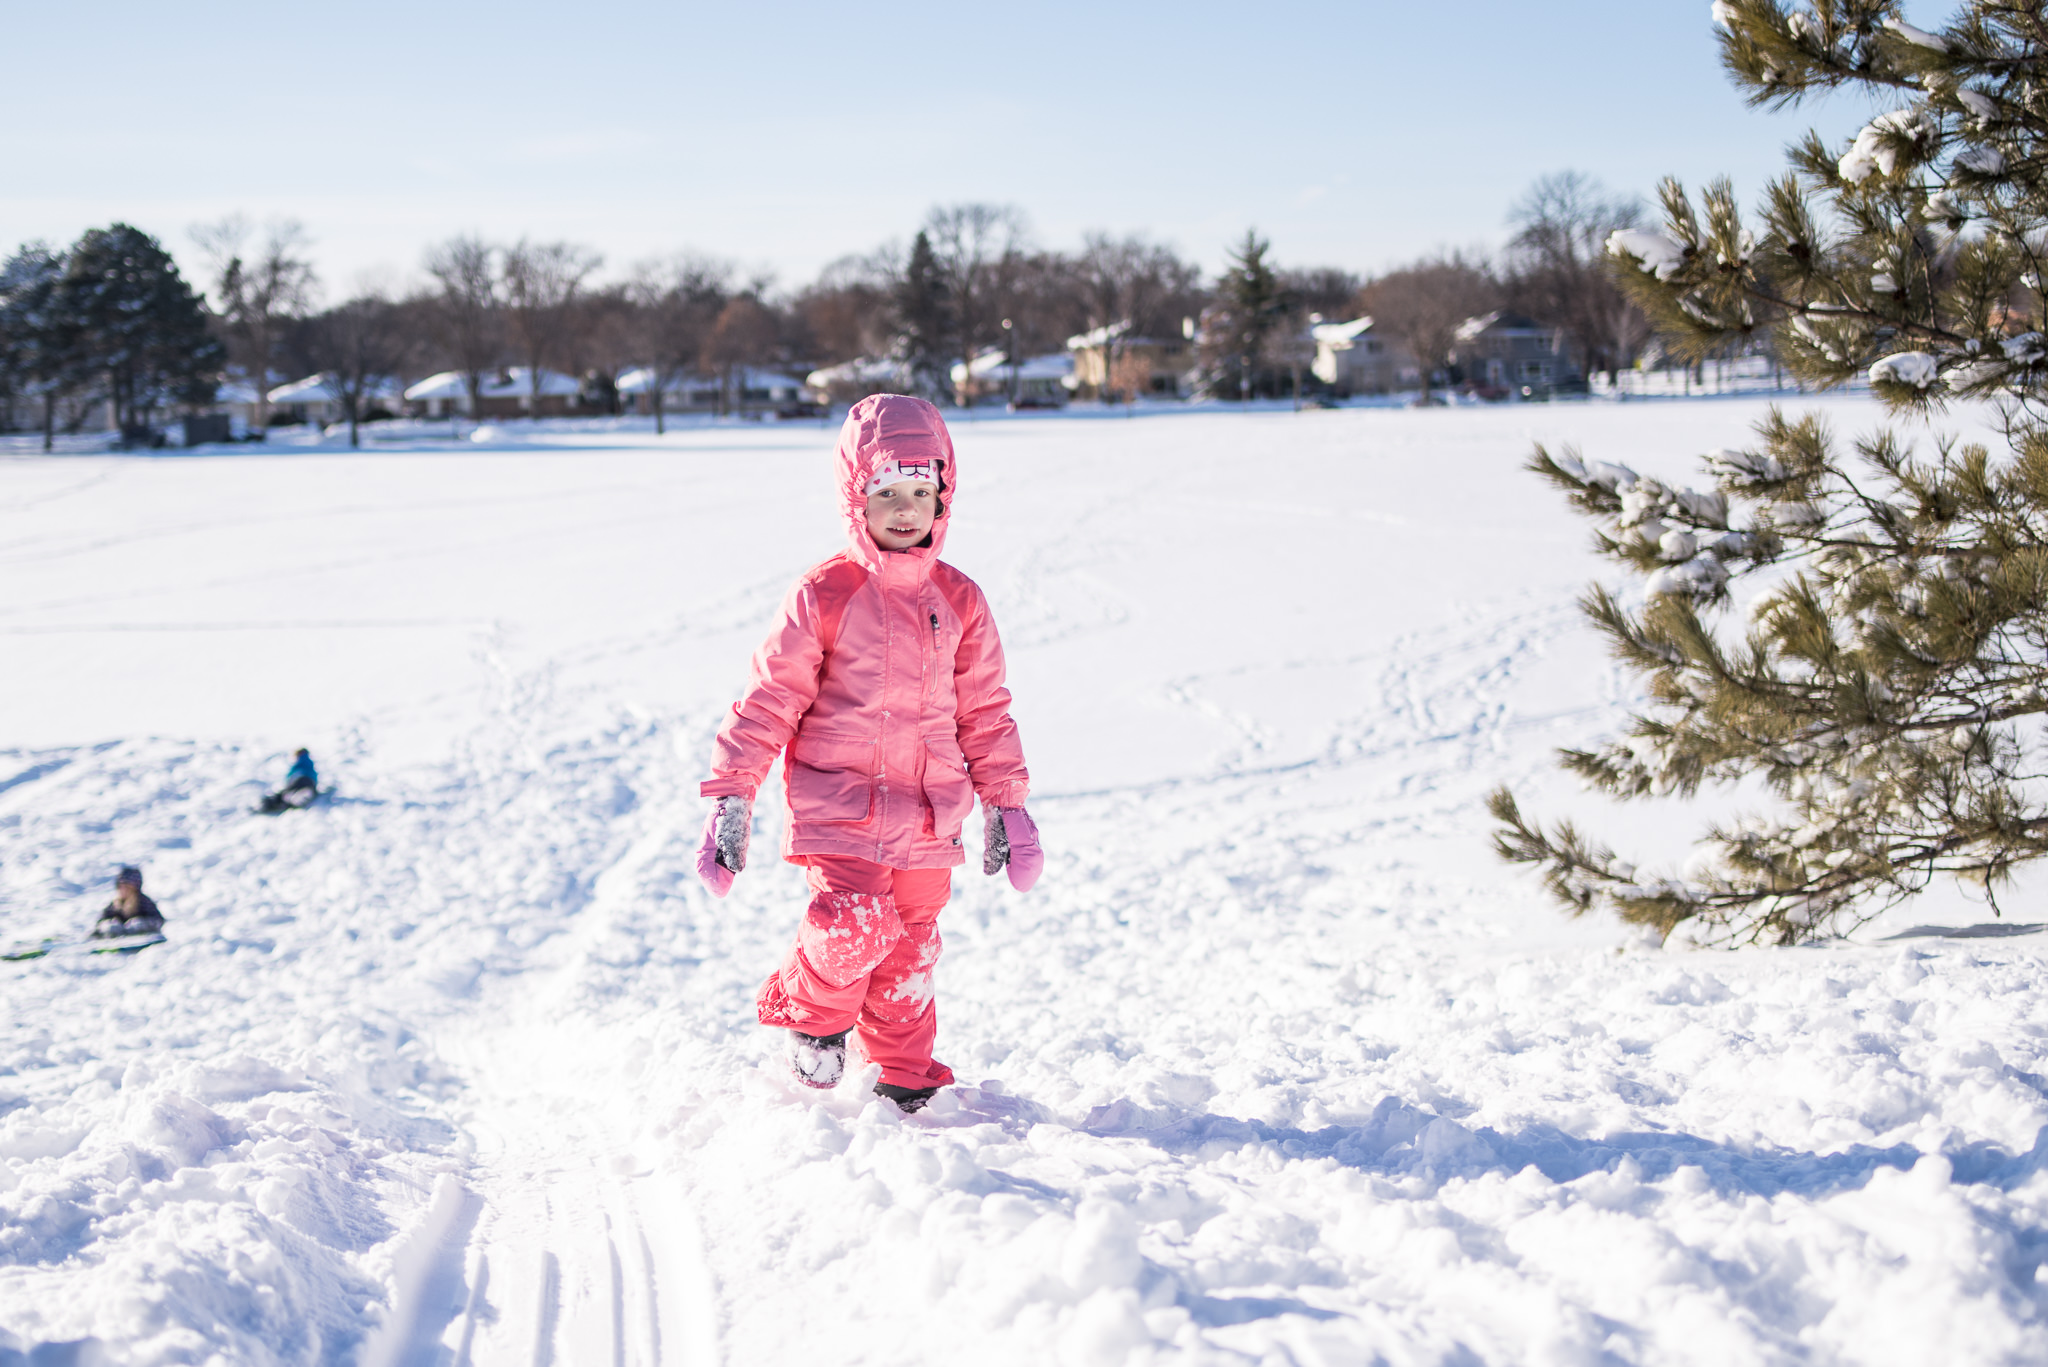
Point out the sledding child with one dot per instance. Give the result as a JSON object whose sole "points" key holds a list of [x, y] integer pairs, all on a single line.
{"points": [[884, 679], [131, 912], [301, 786]]}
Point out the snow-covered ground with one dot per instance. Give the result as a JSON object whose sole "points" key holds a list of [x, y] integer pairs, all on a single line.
{"points": [[1277, 1065]]}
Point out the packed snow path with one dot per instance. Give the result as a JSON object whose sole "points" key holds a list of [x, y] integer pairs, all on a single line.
{"points": [[1278, 1065]]}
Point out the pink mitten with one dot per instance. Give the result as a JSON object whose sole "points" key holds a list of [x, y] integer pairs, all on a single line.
{"points": [[1027, 860], [723, 852]]}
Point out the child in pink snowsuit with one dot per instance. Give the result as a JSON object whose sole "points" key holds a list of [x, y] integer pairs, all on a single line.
{"points": [[883, 677]]}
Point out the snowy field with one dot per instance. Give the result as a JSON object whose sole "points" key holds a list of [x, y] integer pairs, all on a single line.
{"points": [[1277, 1065]]}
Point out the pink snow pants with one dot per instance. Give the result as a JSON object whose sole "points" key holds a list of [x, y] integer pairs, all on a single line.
{"points": [[863, 960]]}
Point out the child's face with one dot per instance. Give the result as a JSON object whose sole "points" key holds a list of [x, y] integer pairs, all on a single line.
{"points": [[900, 515]]}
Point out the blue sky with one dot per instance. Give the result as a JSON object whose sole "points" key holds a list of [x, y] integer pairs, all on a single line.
{"points": [[1352, 134]]}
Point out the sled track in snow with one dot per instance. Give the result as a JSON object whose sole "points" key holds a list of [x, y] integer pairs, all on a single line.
{"points": [[585, 1249], [573, 1260]]}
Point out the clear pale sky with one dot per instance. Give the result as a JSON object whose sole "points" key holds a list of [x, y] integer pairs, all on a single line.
{"points": [[1352, 134]]}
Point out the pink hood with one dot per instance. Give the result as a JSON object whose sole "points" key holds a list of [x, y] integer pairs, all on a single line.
{"points": [[878, 427]]}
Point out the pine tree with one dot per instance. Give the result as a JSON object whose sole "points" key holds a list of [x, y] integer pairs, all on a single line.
{"points": [[1890, 678], [138, 323], [39, 346], [1249, 305], [924, 320]]}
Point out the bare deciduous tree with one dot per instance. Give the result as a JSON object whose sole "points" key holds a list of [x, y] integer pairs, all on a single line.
{"points": [[1559, 272], [600, 341], [850, 310], [678, 302], [360, 347], [979, 249], [1426, 303], [258, 293], [466, 318], [742, 336], [1327, 290], [1130, 280], [540, 285]]}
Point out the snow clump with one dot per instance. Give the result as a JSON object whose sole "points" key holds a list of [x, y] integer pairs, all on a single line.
{"points": [[1985, 161], [1876, 148], [1916, 368], [1746, 465], [1973, 375], [1918, 36], [1612, 477], [1699, 577], [2025, 348], [1677, 544], [1656, 252]]}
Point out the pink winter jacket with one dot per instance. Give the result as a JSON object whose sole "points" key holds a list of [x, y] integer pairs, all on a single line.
{"points": [[883, 676]]}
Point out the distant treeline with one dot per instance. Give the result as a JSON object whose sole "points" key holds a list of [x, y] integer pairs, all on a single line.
{"points": [[112, 318]]}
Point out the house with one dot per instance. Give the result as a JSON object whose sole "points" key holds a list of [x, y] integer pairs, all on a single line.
{"points": [[1352, 358], [1115, 357], [851, 381], [1037, 382], [313, 400], [1507, 352], [695, 392], [237, 398], [504, 393]]}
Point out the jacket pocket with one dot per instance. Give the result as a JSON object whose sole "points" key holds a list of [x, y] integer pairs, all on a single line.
{"points": [[946, 788], [830, 778]]}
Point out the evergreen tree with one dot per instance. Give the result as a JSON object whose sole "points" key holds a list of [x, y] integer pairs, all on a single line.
{"points": [[924, 319], [259, 295], [1249, 306], [40, 357], [138, 323], [1889, 682]]}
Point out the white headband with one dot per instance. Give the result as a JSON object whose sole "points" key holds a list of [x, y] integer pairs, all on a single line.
{"points": [[902, 469]]}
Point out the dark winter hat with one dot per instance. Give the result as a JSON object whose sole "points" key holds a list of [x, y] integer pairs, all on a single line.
{"points": [[303, 753], [130, 875]]}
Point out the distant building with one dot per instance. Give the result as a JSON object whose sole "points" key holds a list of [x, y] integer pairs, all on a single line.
{"points": [[1352, 358], [313, 400], [851, 381], [693, 392], [504, 393], [1507, 351], [1037, 381], [237, 398], [1106, 356]]}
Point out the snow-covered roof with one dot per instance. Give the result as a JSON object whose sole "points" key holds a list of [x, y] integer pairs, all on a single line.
{"points": [[235, 391], [993, 365], [864, 370], [1341, 336], [1500, 320], [497, 384], [316, 389], [1095, 337], [641, 380], [312, 389]]}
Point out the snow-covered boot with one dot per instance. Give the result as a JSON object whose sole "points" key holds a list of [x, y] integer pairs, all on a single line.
{"points": [[907, 1099], [817, 1060]]}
